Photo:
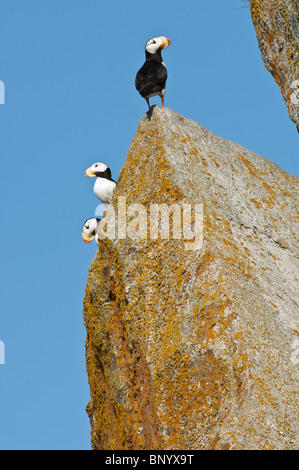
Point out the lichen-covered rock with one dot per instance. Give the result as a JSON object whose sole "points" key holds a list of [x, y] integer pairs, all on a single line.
{"points": [[194, 349], [277, 28]]}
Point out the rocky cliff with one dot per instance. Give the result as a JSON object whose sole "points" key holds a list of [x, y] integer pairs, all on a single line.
{"points": [[194, 348], [277, 28]]}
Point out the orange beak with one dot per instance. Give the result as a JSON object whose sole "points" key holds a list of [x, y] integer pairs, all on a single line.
{"points": [[87, 238], [88, 172], [165, 42]]}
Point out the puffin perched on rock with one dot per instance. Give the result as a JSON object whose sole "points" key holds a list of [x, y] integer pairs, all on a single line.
{"points": [[89, 230], [104, 184], [151, 78]]}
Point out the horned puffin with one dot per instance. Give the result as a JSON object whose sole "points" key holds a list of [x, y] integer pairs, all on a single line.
{"points": [[104, 184], [151, 78], [89, 230]]}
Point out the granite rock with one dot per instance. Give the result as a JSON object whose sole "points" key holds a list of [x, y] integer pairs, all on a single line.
{"points": [[196, 348], [276, 24]]}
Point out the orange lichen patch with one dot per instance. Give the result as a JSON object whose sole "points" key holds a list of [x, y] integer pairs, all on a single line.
{"points": [[197, 402], [194, 151], [287, 193], [186, 139], [149, 143], [257, 203], [214, 161], [249, 166], [271, 191], [110, 406]]}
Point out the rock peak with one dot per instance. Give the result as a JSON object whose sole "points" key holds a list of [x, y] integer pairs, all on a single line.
{"points": [[196, 349]]}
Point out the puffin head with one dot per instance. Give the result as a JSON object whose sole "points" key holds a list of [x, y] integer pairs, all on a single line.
{"points": [[157, 44], [96, 169], [89, 229]]}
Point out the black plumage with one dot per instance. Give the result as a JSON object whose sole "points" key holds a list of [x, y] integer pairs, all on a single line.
{"points": [[151, 78], [104, 174]]}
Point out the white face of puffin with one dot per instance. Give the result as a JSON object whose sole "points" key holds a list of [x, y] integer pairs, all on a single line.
{"points": [[154, 44], [92, 170], [89, 229]]}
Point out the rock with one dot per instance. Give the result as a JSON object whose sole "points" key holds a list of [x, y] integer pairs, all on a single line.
{"points": [[196, 348], [276, 24]]}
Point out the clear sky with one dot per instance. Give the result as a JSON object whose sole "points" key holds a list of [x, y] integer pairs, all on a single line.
{"points": [[69, 68]]}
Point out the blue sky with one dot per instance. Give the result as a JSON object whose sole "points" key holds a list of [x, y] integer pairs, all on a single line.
{"points": [[69, 67]]}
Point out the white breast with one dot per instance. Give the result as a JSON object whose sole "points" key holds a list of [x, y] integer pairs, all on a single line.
{"points": [[103, 189]]}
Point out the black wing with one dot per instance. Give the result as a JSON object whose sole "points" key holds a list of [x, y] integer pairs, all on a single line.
{"points": [[151, 78]]}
